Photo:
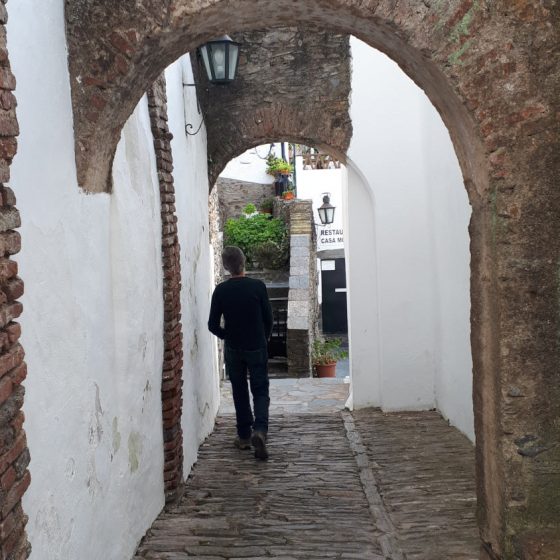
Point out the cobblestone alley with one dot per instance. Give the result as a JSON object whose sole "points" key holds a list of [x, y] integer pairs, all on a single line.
{"points": [[365, 485]]}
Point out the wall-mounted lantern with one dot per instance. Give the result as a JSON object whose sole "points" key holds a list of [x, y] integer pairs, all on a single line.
{"points": [[220, 57], [326, 210]]}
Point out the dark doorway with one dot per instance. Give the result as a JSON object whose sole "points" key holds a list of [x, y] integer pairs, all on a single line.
{"points": [[333, 309]]}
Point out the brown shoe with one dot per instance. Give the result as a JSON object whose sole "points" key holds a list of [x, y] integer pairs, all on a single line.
{"points": [[259, 443], [242, 443]]}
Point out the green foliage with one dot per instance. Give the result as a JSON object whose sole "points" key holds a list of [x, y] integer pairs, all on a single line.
{"points": [[250, 209], [272, 255], [275, 165], [267, 204], [249, 232], [327, 351]]}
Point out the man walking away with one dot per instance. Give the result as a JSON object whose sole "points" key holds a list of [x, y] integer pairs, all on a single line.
{"points": [[243, 303]]}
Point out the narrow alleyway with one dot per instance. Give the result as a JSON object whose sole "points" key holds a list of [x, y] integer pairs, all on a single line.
{"points": [[366, 485]]}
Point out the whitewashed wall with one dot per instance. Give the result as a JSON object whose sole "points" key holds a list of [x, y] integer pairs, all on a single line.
{"points": [[420, 248], [449, 218], [93, 318], [200, 370], [249, 166]]}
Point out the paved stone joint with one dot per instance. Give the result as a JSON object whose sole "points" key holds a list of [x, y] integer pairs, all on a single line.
{"points": [[389, 544], [308, 500]]}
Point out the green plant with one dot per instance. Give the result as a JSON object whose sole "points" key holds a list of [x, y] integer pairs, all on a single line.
{"points": [[276, 165], [327, 351], [267, 204], [247, 232], [271, 254], [249, 209]]}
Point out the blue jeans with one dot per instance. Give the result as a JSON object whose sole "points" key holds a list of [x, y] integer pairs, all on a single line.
{"points": [[237, 364]]}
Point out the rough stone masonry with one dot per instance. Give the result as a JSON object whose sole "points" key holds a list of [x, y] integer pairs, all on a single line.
{"points": [[292, 84]]}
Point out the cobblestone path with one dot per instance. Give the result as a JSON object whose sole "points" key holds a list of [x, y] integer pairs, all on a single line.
{"points": [[306, 501], [425, 470], [365, 485]]}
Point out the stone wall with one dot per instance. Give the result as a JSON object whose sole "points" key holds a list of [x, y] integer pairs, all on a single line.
{"points": [[302, 295], [269, 100], [234, 195], [14, 455], [172, 375]]}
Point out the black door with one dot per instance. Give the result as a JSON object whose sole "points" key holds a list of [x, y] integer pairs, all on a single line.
{"points": [[333, 280]]}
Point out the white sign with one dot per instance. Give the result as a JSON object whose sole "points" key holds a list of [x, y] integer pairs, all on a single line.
{"points": [[329, 237]]}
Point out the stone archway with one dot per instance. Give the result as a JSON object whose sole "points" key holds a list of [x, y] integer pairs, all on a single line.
{"points": [[490, 70]]}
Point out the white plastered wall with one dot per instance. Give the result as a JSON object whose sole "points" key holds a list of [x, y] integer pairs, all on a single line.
{"points": [[93, 317], [201, 391], [419, 248]]}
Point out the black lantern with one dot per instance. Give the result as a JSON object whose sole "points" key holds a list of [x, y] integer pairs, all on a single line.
{"points": [[326, 210], [220, 58]]}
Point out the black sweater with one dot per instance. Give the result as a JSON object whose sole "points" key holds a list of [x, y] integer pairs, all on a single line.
{"points": [[244, 304]]}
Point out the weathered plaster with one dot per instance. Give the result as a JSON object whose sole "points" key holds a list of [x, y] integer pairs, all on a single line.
{"points": [[93, 326]]}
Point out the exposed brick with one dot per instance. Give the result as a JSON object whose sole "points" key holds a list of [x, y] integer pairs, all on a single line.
{"points": [[13, 331], [17, 422], [18, 374], [8, 268], [8, 149], [10, 241], [8, 479], [9, 219], [15, 494], [6, 386], [9, 312], [8, 196], [13, 453], [14, 519], [11, 359], [7, 100], [7, 81], [172, 366], [13, 288], [10, 408]]}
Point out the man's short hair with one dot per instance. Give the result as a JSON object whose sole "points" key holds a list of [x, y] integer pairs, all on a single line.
{"points": [[233, 259]]}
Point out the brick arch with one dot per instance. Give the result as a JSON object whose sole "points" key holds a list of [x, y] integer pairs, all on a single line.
{"points": [[491, 70]]}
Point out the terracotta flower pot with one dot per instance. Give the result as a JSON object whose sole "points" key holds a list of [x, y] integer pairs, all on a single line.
{"points": [[326, 370], [289, 195]]}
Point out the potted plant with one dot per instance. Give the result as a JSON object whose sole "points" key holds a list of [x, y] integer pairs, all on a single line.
{"points": [[289, 193], [281, 171], [276, 166], [325, 354], [266, 206]]}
